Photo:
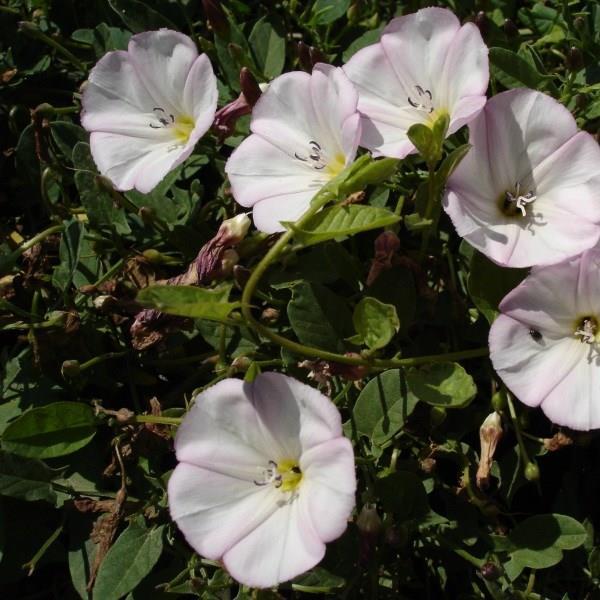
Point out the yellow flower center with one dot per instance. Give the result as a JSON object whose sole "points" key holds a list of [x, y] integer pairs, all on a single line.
{"points": [[433, 116], [335, 166], [182, 128], [290, 474]]}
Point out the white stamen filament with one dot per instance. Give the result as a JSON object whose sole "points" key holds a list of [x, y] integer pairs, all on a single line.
{"points": [[424, 101], [521, 200], [587, 332]]}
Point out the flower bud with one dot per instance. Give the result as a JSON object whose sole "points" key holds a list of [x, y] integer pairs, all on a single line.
{"points": [[104, 302], [579, 23], [304, 56], [490, 434], [437, 415], [146, 214], [249, 86], [499, 401], [233, 231], [532, 472], [270, 315], [240, 364], [368, 521], [574, 59], [482, 23], [490, 571], [229, 259], [216, 17], [70, 369], [510, 28]]}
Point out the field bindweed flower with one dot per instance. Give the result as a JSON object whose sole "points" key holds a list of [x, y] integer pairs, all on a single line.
{"points": [[305, 131], [424, 65], [146, 108], [264, 478], [546, 343], [528, 192]]}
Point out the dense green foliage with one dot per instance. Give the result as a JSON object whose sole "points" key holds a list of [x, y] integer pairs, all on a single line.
{"points": [[83, 480]]}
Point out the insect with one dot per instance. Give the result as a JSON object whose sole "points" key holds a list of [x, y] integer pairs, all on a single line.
{"points": [[535, 334]]}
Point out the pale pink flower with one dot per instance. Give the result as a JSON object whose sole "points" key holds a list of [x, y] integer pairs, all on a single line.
{"points": [[528, 192], [546, 343], [424, 65], [264, 478], [147, 107], [305, 131]]}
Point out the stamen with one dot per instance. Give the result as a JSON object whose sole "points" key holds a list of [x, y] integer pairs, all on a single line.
{"points": [[424, 101], [315, 156], [517, 201], [535, 334], [285, 476], [587, 331]]}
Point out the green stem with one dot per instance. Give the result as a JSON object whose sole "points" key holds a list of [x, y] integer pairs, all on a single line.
{"points": [[175, 421], [31, 564], [515, 423], [32, 31], [322, 198], [36, 239], [431, 200], [100, 359]]}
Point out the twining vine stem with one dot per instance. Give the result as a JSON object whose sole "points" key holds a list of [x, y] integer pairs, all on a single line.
{"points": [[322, 198]]}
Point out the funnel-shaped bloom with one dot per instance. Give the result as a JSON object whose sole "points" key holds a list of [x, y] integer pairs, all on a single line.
{"points": [[528, 192], [264, 478], [424, 65], [546, 343], [146, 108], [305, 130]]}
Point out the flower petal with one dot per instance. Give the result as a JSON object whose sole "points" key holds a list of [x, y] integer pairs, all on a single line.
{"points": [[200, 95], [575, 400], [328, 486], [258, 170], [269, 214], [215, 511], [282, 547], [295, 412], [133, 162], [223, 431], [163, 60], [531, 368]]}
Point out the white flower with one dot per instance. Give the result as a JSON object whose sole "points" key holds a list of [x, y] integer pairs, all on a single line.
{"points": [[264, 478], [146, 108], [425, 65], [546, 343], [305, 131], [528, 192]]}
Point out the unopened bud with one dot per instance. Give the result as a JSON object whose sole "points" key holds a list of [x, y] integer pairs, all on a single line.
{"points": [[124, 416], [241, 364], [532, 472], [490, 434], [270, 315], [368, 521], [233, 231], [146, 214], [490, 571], [349, 372], [45, 111], [353, 13], [104, 302], [155, 257], [574, 59], [482, 23], [581, 101], [216, 17], [241, 275], [579, 23], [428, 465], [70, 369], [304, 56], [437, 415], [249, 86], [229, 259], [510, 28], [499, 401]]}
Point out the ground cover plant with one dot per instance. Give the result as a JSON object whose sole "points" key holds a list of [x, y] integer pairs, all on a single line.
{"points": [[299, 299]]}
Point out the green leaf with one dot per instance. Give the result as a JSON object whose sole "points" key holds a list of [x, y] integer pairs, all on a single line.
{"points": [[539, 541], [49, 431], [375, 322], [366, 39], [268, 45], [319, 317], [488, 283], [188, 301], [449, 164], [139, 17], [328, 11], [422, 138], [366, 171], [442, 384], [128, 561], [66, 134], [25, 478], [513, 71], [383, 406], [340, 221], [318, 581]]}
